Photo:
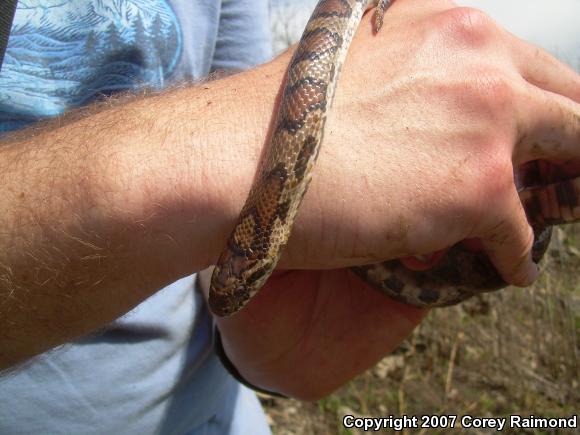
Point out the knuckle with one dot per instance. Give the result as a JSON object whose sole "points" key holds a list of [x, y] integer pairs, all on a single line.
{"points": [[512, 248], [491, 181], [529, 239], [494, 86], [468, 25], [521, 251], [482, 89], [496, 178], [522, 242], [492, 93]]}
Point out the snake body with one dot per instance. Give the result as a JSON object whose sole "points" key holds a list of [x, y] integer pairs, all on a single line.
{"points": [[265, 222]]}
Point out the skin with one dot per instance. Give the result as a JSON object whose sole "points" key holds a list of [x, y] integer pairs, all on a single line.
{"points": [[441, 97]]}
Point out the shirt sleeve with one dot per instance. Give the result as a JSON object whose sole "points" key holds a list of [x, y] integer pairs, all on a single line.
{"points": [[244, 36]]}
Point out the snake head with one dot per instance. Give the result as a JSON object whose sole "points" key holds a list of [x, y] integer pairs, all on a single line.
{"points": [[228, 300], [235, 280], [227, 292]]}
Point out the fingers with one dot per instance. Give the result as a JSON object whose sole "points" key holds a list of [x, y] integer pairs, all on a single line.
{"points": [[549, 116], [545, 71], [423, 262], [509, 245], [548, 127]]}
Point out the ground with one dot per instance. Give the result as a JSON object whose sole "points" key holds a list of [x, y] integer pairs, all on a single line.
{"points": [[512, 352]]}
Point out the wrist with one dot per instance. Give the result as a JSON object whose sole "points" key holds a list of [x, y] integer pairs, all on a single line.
{"points": [[188, 176]]}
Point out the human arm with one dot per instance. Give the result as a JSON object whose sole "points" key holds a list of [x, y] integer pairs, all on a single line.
{"points": [[160, 181], [106, 206], [322, 327]]}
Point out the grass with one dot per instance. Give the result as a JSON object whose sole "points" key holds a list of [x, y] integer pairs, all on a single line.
{"points": [[512, 352]]}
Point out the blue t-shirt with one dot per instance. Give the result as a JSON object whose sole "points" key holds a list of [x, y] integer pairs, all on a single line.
{"points": [[154, 369]]}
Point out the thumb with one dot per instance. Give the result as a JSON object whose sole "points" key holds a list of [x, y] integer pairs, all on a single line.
{"points": [[509, 245]]}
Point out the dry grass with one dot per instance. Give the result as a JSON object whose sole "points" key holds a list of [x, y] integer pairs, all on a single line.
{"points": [[513, 352]]}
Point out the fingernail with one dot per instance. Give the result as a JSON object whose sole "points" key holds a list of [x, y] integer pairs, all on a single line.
{"points": [[532, 274]]}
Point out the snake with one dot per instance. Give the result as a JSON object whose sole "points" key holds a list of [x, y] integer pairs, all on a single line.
{"points": [[265, 221]]}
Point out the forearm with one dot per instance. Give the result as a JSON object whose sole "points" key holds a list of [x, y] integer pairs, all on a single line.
{"points": [[102, 212]]}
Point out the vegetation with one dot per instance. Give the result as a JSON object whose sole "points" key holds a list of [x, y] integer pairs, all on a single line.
{"points": [[511, 352]]}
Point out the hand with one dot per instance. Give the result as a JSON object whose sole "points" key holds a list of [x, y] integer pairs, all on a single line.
{"points": [[431, 117], [307, 332]]}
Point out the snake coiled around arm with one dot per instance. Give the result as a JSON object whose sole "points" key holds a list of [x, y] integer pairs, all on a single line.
{"points": [[265, 222]]}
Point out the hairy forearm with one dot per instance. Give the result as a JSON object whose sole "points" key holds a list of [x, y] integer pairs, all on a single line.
{"points": [[99, 213]]}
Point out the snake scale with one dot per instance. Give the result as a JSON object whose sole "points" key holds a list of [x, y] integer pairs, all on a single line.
{"points": [[265, 222]]}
